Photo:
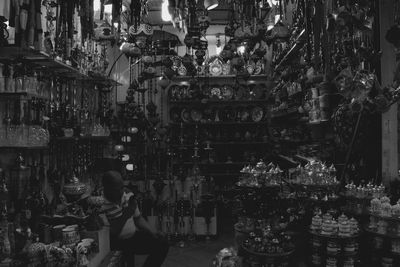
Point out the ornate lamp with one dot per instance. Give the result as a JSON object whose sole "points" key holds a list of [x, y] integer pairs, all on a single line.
{"points": [[141, 34], [210, 4]]}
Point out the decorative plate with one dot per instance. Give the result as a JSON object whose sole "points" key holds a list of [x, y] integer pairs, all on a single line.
{"points": [[215, 68], [182, 71], [185, 115], [226, 68], [250, 67], [215, 92], [257, 114], [196, 115], [227, 92], [258, 68]]}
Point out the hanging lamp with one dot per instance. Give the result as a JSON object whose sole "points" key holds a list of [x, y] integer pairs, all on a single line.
{"points": [[210, 4]]}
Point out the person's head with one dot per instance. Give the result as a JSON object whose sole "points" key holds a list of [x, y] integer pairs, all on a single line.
{"points": [[113, 186]]}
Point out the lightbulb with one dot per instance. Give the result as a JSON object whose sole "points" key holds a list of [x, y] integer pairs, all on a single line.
{"points": [[272, 2], [165, 16], [122, 45]]}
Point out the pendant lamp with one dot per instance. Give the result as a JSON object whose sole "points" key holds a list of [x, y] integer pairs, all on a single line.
{"points": [[210, 4]]}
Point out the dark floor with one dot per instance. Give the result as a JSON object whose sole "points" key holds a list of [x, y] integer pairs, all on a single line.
{"points": [[195, 254]]}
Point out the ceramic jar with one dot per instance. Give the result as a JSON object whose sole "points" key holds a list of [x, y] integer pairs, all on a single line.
{"points": [[74, 189]]}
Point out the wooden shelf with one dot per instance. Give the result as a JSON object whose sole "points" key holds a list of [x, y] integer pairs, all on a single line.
{"points": [[387, 235], [230, 76], [235, 143], [21, 95], [85, 138], [221, 123], [213, 164], [25, 147], [218, 102], [239, 143], [41, 60]]}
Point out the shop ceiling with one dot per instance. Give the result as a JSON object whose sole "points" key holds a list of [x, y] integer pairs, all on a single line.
{"points": [[219, 15]]}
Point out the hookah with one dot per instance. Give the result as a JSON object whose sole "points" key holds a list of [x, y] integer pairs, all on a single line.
{"points": [[192, 234], [176, 218], [159, 187]]}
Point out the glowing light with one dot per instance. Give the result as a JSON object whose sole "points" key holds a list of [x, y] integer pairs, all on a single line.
{"points": [[129, 167], [122, 45], [218, 50], [210, 4], [108, 9], [241, 49], [165, 15], [272, 2]]}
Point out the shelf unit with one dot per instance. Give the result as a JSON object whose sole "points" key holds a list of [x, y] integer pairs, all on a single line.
{"points": [[223, 149], [221, 123], [41, 60], [20, 95]]}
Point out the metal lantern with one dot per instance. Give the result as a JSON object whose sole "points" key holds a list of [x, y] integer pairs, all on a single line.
{"points": [[141, 34]]}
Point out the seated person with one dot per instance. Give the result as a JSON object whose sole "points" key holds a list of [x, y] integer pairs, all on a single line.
{"points": [[129, 231]]}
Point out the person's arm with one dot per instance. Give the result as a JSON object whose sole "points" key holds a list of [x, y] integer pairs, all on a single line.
{"points": [[117, 223], [142, 224]]}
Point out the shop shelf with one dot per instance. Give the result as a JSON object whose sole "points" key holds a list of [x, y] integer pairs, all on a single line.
{"points": [[387, 235], [335, 237], [41, 60], [229, 143], [83, 138], [386, 218], [230, 76], [218, 102], [220, 123], [268, 255], [25, 147], [19, 95]]}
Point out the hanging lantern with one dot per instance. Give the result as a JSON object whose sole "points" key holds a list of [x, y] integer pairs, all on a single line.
{"points": [[141, 34], [163, 82], [130, 50], [210, 4]]}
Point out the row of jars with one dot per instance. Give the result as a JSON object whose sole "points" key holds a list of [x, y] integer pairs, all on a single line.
{"points": [[11, 82]]}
